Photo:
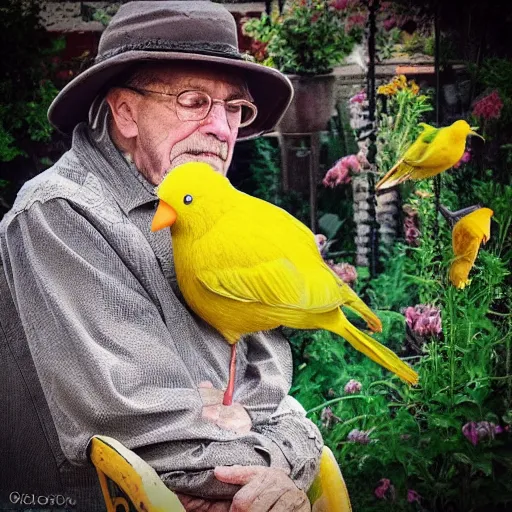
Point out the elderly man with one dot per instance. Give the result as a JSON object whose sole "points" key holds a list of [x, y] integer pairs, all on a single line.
{"points": [[91, 291]]}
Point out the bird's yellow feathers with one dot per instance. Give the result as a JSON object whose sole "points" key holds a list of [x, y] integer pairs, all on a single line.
{"points": [[434, 151], [245, 265]]}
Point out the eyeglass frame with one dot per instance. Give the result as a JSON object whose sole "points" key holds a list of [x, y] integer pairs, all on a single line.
{"points": [[240, 102]]}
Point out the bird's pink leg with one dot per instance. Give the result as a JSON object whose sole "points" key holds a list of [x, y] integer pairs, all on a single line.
{"points": [[228, 395]]}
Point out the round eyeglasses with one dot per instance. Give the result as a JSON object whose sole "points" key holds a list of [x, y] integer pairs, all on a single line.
{"points": [[196, 105]]}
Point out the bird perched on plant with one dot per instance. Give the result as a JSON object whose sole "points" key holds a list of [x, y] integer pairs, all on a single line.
{"points": [[244, 265], [433, 152]]}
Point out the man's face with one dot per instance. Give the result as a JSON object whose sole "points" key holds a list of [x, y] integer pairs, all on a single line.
{"points": [[163, 141]]}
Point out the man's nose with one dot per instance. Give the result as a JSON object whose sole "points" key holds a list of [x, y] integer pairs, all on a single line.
{"points": [[216, 123]]}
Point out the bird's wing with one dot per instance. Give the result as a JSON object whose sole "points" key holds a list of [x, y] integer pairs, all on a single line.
{"points": [[275, 283], [413, 158], [435, 151], [416, 151], [268, 257]]}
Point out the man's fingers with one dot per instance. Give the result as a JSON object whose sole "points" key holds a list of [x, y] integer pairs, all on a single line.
{"points": [[238, 475], [193, 504], [255, 499], [292, 501]]}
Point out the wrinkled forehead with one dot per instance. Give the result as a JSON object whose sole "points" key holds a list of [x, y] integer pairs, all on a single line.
{"points": [[193, 76]]}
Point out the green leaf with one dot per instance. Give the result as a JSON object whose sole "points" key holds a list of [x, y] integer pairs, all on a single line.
{"points": [[329, 224]]}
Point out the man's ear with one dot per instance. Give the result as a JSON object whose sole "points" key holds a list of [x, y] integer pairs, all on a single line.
{"points": [[123, 106]]}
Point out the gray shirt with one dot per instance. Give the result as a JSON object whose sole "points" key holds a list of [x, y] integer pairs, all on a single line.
{"points": [[116, 349]]}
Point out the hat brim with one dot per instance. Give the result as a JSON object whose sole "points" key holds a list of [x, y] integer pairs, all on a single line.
{"points": [[272, 92]]}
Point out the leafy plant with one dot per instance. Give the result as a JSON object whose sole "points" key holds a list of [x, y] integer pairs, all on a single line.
{"points": [[399, 114], [25, 90], [309, 38]]}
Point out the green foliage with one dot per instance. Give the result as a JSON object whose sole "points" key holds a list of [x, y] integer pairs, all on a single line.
{"points": [[307, 39], [415, 434], [386, 42], [419, 43], [25, 90], [425, 44]]}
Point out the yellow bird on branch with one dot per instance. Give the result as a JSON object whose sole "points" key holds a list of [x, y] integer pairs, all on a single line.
{"points": [[433, 152], [245, 265]]}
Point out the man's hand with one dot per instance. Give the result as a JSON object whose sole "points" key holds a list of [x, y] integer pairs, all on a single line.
{"points": [[263, 489], [193, 504], [229, 417]]}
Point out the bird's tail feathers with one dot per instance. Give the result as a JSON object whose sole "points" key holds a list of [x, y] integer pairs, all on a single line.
{"points": [[399, 173], [355, 304], [376, 352]]}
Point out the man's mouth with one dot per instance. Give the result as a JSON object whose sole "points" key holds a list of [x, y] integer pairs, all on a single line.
{"points": [[205, 153]]}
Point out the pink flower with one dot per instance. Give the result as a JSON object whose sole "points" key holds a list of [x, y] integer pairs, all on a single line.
{"points": [[328, 418], [466, 157], [352, 387], [423, 320], [412, 235], [345, 271], [340, 172], [359, 436], [337, 175], [411, 220], [389, 23], [352, 162], [340, 4], [476, 431], [488, 107], [383, 488], [320, 241], [360, 97], [413, 496], [355, 21]]}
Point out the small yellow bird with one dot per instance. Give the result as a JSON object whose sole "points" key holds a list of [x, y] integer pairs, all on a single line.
{"points": [[245, 265], [434, 151]]}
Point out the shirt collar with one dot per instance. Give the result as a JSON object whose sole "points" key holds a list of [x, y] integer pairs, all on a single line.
{"points": [[129, 187]]}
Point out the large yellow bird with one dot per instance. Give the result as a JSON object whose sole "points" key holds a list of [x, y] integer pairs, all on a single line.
{"points": [[434, 151], [245, 265]]}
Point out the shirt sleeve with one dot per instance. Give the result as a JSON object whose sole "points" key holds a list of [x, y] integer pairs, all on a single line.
{"points": [[93, 332]]}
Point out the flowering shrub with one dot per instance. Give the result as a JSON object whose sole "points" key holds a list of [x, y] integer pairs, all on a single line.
{"points": [[411, 226], [359, 436], [488, 107], [398, 83], [385, 489], [413, 496], [352, 386], [309, 38], [465, 158], [424, 320], [341, 172], [400, 112], [476, 431], [346, 272]]}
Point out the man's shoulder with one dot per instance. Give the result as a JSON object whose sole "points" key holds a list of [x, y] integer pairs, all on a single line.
{"points": [[66, 179]]}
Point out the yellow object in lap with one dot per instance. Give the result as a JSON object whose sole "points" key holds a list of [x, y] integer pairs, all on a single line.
{"points": [[328, 493]]}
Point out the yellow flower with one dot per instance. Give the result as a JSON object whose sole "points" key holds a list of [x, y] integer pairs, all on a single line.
{"points": [[400, 81], [468, 233], [387, 89], [414, 87]]}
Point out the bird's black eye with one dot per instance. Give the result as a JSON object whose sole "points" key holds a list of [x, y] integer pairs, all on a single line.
{"points": [[188, 199]]}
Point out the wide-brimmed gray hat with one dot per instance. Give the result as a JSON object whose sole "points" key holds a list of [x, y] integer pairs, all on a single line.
{"points": [[156, 31]]}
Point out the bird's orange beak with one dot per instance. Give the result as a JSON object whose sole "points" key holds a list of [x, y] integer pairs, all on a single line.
{"points": [[165, 216]]}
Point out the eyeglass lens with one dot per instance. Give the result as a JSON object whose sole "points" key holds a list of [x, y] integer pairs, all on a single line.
{"points": [[195, 105]]}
